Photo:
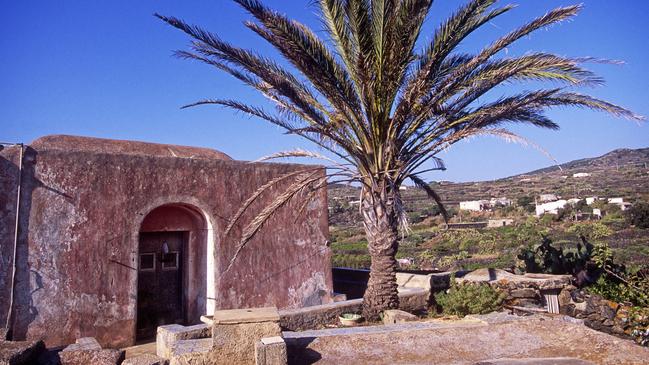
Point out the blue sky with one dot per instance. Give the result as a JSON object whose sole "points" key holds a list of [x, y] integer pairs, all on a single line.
{"points": [[104, 68]]}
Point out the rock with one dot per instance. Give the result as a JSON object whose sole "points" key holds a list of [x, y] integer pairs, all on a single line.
{"points": [[146, 359], [392, 316], [606, 312], [565, 297], [580, 308], [95, 357], [84, 343], [20, 352]]}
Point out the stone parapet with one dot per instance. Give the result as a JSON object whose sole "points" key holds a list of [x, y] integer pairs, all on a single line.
{"points": [[317, 316]]}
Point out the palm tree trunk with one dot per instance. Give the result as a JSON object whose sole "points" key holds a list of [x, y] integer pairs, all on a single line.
{"points": [[381, 228]]}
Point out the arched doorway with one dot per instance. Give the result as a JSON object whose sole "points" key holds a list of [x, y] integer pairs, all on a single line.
{"points": [[174, 267]]}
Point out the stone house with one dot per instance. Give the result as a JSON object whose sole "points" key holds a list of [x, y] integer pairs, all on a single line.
{"points": [[475, 205], [115, 238], [550, 207]]}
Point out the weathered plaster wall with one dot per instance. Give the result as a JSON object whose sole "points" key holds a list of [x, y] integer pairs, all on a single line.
{"points": [[83, 205]]}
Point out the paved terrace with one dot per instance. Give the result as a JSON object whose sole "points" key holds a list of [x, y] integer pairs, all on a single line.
{"points": [[474, 340]]}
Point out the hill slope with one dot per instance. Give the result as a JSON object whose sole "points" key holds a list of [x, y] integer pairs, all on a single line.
{"points": [[619, 173]]}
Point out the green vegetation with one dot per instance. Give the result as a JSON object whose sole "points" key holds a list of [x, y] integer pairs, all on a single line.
{"points": [[429, 246], [590, 230], [461, 300]]}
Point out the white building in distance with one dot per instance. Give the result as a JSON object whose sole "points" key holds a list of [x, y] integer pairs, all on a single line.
{"points": [[581, 174], [550, 207], [591, 200], [475, 205], [548, 198], [620, 202]]}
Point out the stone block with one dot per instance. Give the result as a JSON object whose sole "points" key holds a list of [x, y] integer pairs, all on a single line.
{"points": [[95, 357], [393, 316], [235, 343], [271, 351], [167, 336], [524, 293], [20, 352], [249, 315], [193, 352], [145, 359]]}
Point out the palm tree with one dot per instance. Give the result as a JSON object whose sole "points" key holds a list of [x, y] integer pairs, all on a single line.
{"points": [[384, 105]]}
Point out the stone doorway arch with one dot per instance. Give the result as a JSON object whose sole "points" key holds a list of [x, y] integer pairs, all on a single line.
{"points": [[175, 267]]}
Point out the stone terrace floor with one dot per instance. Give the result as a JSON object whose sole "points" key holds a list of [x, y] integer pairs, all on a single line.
{"points": [[469, 341]]}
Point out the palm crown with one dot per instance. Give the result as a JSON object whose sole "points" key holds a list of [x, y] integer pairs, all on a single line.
{"points": [[384, 105]]}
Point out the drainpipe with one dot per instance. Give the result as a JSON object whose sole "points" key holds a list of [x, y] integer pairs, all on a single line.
{"points": [[13, 272]]}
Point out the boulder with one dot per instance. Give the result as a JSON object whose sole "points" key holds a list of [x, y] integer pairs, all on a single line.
{"points": [[392, 316]]}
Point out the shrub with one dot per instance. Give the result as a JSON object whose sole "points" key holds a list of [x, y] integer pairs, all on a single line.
{"points": [[590, 230], [638, 215], [639, 324], [465, 299]]}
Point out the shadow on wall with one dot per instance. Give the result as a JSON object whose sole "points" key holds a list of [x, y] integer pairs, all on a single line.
{"points": [[28, 281]]}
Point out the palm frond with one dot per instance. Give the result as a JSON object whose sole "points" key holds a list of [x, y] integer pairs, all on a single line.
{"points": [[269, 211], [431, 194], [512, 137], [233, 221]]}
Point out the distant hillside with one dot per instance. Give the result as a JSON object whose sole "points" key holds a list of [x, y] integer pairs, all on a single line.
{"points": [[614, 159], [619, 173]]}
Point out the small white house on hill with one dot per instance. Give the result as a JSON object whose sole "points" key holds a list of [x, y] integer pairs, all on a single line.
{"points": [[550, 207], [581, 174], [548, 198], [475, 205]]}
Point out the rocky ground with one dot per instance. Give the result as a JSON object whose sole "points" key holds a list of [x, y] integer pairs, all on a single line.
{"points": [[496, 337]]}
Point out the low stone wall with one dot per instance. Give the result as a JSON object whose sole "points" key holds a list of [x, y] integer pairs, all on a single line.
{"points": [[598, 313], [522, 290], [314, 317]]}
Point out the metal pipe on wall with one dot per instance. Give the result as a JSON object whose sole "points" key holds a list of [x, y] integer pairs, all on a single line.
{"points": [[17, 224]]}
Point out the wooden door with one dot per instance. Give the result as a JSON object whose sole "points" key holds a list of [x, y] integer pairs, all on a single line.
{"points": [[159, 294]]}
